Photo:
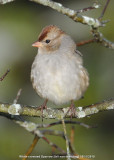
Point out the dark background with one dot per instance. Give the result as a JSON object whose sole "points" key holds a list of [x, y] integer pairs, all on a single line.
{"points": [[20, 24]]}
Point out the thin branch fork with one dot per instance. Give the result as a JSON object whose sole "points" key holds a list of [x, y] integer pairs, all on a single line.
{"points": [[98, 37], [40, 134]]}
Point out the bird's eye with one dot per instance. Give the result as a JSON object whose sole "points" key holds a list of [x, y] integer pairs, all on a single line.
{"points": [[47, 41]]}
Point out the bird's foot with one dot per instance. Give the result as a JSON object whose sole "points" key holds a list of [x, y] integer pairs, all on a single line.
{"points": [[72, 110], [42, 107]]}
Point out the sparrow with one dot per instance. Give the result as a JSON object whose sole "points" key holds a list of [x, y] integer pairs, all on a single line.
{"points": [[57, 73]]}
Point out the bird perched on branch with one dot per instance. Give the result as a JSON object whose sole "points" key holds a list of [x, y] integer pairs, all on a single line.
{"points": [[57, 72]]}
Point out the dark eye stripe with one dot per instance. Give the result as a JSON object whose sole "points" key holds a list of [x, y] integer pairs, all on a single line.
{"points": [[47, 41]]}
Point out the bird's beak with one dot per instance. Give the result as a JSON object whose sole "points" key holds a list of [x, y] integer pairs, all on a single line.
{"points": [[37, 44]]}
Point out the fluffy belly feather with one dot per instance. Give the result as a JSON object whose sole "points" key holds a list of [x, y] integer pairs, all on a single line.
{"points": [[56, 80]]}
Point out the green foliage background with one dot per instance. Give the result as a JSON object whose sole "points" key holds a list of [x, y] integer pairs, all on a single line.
{"points": [[20, 24]]}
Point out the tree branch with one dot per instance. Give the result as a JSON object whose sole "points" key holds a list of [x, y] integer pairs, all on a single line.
{"points": [[68, 12], [58, 113], [74, 15], [5, 1], [71, 13]]}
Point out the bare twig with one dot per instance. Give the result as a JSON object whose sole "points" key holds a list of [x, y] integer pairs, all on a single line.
{"points": [[85, 42], [66, 139], [53, 145], [18, 96], [36, 138], [105, 7], [95, 6], [5, 74], [66, 122], [52, 132], [72, 135]]}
